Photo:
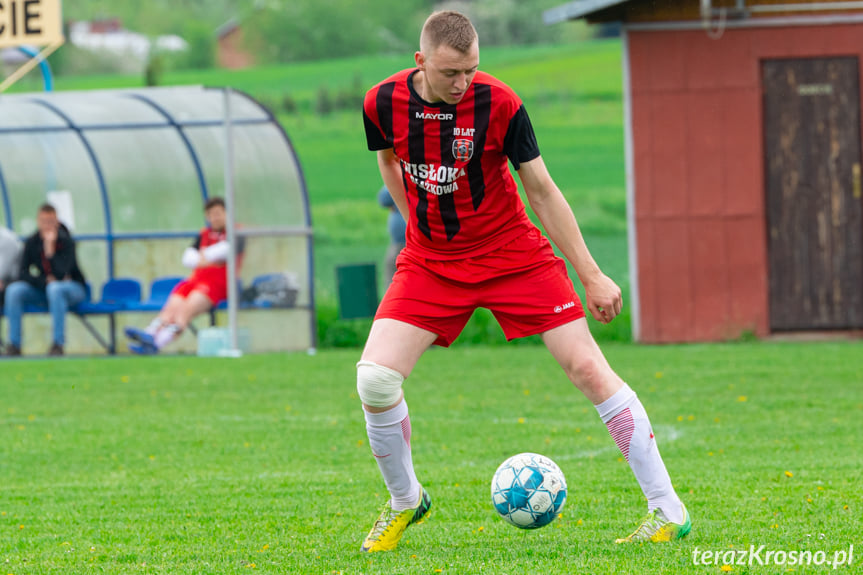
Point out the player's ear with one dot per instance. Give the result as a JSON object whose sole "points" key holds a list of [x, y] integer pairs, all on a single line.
{"points": [[420, 60]]}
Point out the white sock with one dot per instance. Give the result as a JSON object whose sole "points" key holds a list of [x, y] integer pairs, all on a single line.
{"points": [[154, 326], [390, 439], [629, 426], [166, 335]]}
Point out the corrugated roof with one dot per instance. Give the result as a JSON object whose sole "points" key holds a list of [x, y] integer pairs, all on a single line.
{"points": [[577, 9], [227, 28]]}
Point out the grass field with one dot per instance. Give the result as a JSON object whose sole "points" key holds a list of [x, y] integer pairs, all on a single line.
{"points": [[182, 466], [189, 466]]}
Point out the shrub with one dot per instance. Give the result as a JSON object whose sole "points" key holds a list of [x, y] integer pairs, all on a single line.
{"points": [[324, 103]]}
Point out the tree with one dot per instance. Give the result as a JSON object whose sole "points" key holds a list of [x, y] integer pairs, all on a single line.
{"points": [[201, 53], [286, 31]]}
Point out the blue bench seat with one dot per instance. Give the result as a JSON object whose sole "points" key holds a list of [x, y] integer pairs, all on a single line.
{"points": [[124, 295]]}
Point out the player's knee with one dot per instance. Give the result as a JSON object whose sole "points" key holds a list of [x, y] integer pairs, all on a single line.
{"points": [[585, 371], [378, 386]]}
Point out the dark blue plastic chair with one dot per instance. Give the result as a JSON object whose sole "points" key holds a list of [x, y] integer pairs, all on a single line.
{"points": [[117, 295], [122, 291], [160, 289]]}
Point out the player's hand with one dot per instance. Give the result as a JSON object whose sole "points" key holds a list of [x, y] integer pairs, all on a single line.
{"points": [[603, 297]]}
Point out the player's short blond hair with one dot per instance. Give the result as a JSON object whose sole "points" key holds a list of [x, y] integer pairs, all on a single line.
{"points": [[448, 28]]}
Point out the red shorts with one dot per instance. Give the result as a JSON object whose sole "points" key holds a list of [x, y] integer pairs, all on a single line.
{"points": [[212, 282], [523, 283]]}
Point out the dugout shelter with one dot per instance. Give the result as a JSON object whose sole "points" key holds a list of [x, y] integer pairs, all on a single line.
{"points": [[743, 151], [129, 171]]}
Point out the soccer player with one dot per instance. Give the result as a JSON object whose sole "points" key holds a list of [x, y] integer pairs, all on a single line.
{"points": [[205, 288], [443, 132], [10, 261]]}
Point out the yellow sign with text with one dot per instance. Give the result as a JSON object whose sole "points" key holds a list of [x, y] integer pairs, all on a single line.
{"points": [[30, 22]]}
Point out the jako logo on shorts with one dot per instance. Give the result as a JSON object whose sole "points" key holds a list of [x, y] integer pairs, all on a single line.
{"points": [[560, 308]]}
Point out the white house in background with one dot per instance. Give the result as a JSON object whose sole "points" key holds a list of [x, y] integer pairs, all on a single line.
{"points": [[110, 36], [12, 57]]}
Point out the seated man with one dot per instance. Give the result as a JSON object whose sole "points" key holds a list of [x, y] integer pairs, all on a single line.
{"points": [[10, 259], [49, 276], [205, 288]]}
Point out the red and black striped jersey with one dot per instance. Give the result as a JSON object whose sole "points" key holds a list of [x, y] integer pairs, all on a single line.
{"points": [[462, 198], [209, 237]]}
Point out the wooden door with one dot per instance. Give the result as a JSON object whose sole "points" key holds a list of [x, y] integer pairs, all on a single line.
{"points": [[814, 208]]}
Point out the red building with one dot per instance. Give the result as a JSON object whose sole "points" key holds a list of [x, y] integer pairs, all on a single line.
{"points": [[231, 50], [743, 159], [106, 26]]}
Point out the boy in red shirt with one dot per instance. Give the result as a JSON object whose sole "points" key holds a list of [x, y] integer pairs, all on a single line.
{"points": [[197, 294]]}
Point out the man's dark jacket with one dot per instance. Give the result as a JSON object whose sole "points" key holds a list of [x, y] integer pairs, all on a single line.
{"points": [[63, 265]]}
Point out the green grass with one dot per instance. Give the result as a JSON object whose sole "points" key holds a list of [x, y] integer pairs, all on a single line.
{"points": [[182, 465]]}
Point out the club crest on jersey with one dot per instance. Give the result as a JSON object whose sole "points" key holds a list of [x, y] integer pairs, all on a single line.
{"points": [[462, 150]]}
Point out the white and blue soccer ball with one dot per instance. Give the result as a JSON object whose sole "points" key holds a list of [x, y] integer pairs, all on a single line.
{"points": [[528, 490]]}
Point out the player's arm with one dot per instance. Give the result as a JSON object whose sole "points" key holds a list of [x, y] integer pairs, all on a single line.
{"points": [[391, 172], [603, 296], [216, 253], [382, 143], [192, 255]]}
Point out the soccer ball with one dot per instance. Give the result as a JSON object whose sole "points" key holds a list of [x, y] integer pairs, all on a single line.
{"points": [[528, 490]]}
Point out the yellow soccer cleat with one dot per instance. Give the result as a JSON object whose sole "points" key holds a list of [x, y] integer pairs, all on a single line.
{"points": [[656, 528], [391, 525]]}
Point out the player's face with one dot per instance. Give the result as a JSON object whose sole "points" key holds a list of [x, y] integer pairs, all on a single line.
{"points": [[448, 72], [216, 218]]}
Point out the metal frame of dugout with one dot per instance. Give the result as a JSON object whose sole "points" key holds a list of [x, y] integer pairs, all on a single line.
{"points": [[182, 126]]}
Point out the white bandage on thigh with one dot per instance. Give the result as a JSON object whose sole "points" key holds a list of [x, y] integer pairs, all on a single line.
{"points": [[378, 386]]}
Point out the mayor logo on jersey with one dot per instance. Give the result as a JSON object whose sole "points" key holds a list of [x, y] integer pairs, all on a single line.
{"points": [[462, 150], [433, 116]]}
